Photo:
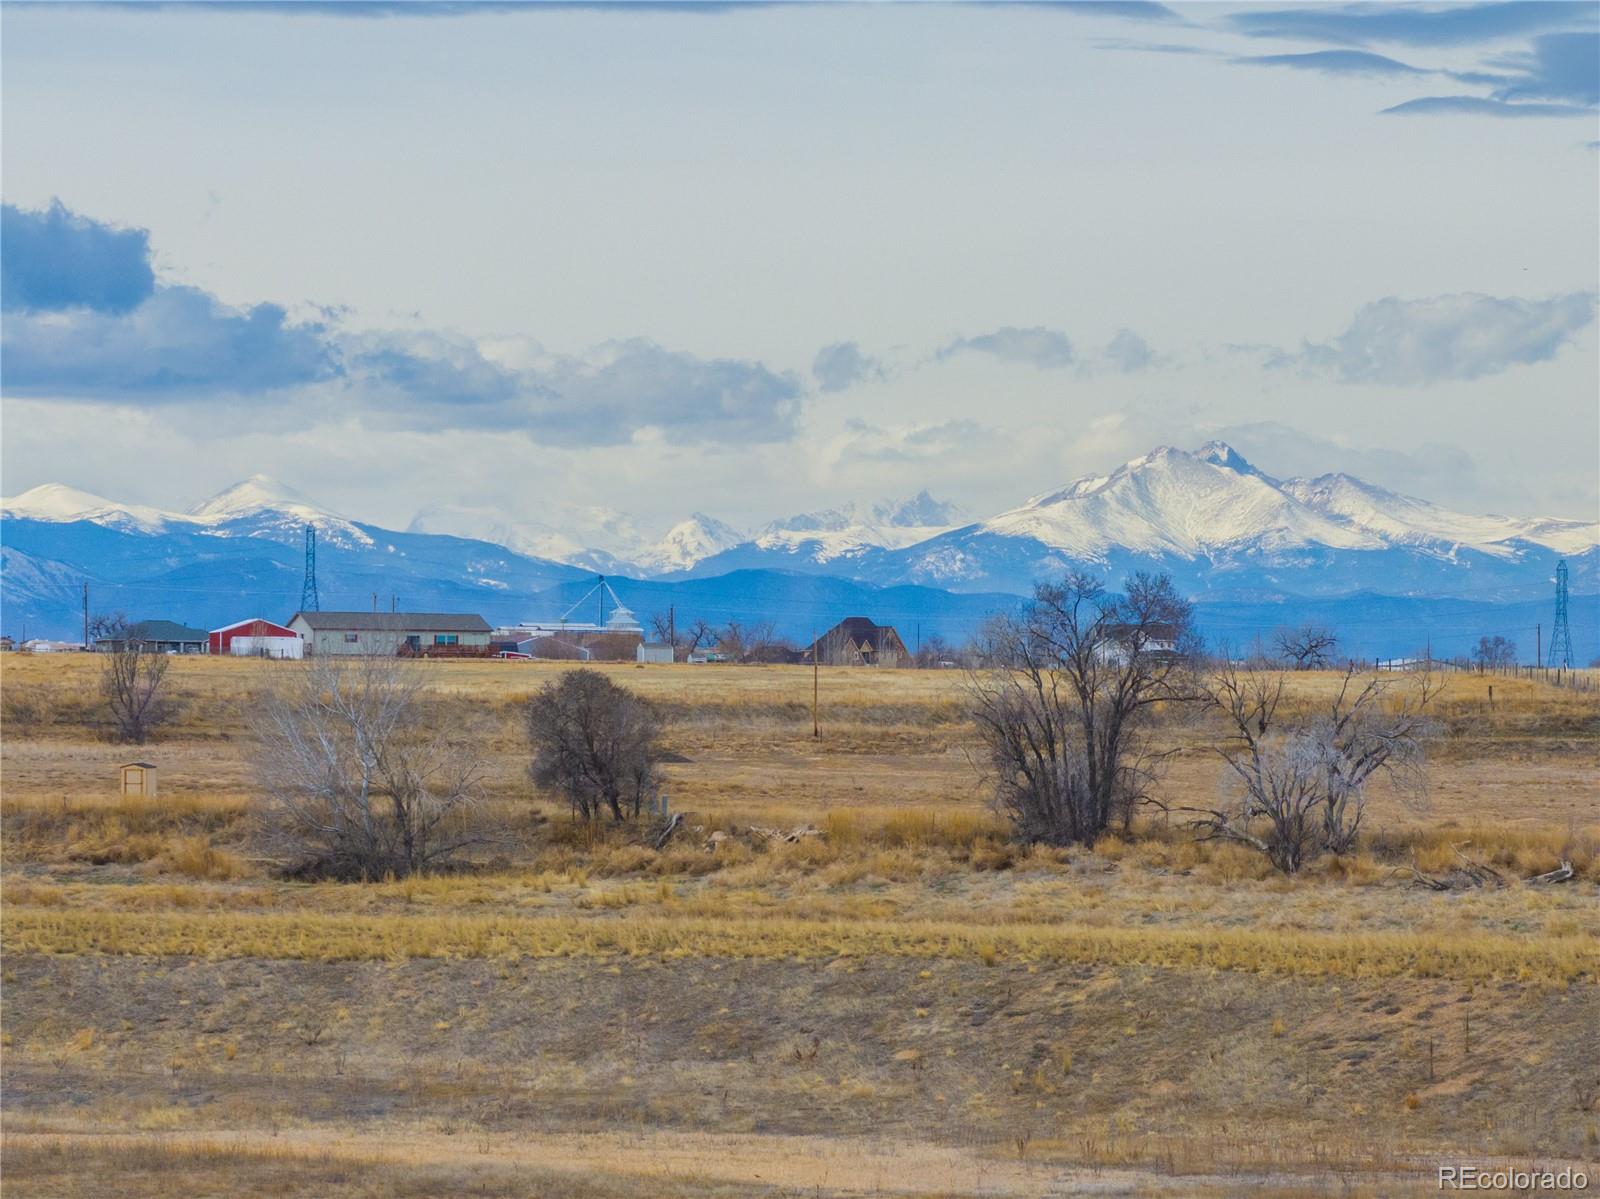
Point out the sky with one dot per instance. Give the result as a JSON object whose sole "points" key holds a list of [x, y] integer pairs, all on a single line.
{"points": [[556, 261]]}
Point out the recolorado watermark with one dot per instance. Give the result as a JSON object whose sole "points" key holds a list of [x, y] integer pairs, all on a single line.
{"points": [[1512, 1178]]}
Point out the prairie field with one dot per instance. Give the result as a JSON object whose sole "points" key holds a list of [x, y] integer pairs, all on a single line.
{"points": [[906, 1003]]}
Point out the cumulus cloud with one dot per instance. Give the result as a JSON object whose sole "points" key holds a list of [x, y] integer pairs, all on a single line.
{"points": [[865, 442], [175, 343], [55, 260], [1465, 336], [1047, 349], [86, 320], [842, 365], [634, 384], [1128, 352]]}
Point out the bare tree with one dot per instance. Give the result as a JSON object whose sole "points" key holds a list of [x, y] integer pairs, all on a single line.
{"points": [[107, 626], [933, 653], [1308, 647], [763, 644], [359, 784], [595, 743], [1074, 686], [684, 638], [132, 676], [731, 639], [1494, 653], [1302, 784]]}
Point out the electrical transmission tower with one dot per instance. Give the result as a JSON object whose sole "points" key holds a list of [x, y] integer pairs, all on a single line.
{"points": [[1561, 635], [308, 589]]}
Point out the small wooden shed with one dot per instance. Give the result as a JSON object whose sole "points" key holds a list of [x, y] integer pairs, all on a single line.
{"points": [[139, 779]]}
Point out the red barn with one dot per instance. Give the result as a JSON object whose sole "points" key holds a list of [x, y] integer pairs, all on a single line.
{"points": [[257, 638]]}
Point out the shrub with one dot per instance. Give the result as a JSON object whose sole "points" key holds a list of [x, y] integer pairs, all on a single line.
{"points": [[596, 744]]}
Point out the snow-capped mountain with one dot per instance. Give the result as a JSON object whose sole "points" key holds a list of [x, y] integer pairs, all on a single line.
{"points": [[535, 538], [1403, 520], [57, 503], [817, 540], [1222, 526], [688, 542], [1226, 530], [239, 550]]}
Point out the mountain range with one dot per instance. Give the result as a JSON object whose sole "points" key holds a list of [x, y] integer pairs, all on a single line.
{"points": [[1232, 536]]}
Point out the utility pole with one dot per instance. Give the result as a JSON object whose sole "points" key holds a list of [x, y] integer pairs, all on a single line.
{"points": [[394, 602], [1538, 653], [86, 617], [672, 630], [816, 729], [374, 601]]}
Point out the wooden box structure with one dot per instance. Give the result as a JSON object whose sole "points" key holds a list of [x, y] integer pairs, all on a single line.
{"points": [[139, 779]]}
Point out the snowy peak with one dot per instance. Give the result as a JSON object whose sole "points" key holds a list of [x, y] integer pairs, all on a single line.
{"points": [[60, 504], [1406, 520], [853, 530], [1220, 453], [690, 541], [1171, 501], [256, 494], [921, 511]]}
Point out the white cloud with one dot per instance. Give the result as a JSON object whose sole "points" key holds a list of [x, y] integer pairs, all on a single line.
{"points": [[1465, 336]]}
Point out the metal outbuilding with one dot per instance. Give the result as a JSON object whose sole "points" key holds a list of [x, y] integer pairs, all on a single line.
{"points": [[257, 638]]}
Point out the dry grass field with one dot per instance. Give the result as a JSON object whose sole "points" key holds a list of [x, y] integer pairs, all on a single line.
{"points": [[908, 1005]]}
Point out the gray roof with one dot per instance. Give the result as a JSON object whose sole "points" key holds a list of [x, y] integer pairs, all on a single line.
{"points": [[162, 630], [394, 622]]}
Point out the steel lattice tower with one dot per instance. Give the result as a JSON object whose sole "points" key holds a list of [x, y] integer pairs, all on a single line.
{"points": [[1561, 634], [308, 589]]}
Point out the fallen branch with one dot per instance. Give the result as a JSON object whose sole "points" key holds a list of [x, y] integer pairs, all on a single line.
{"points": [[673, 825], [1459, 878], [1561, 874]]}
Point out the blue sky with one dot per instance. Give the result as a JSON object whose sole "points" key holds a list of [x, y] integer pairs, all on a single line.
{"points": [[755, 260]]}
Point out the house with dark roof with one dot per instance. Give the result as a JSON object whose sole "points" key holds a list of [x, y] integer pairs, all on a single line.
{"points": [[156, 637], [403, 634], [857, 641]]}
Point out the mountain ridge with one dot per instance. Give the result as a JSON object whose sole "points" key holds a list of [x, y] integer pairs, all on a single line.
{"points": [[1227, 532]]}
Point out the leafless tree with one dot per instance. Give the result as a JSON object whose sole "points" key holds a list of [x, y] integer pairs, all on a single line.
{"points": [[732, 638], [933, 652], [1075, 684], [1495, 652], [595, 744], [1307, 647], [358, 782], [1302, 784], [684, 638], [763, 644], [132, 676], [107, 626]]}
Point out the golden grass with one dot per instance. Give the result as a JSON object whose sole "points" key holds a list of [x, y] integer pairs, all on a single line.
{"points": [[213, 693], [318, 937]]}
